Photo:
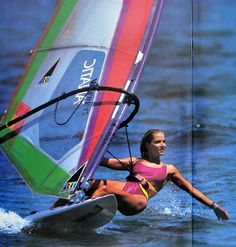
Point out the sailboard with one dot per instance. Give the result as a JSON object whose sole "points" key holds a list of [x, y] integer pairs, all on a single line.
{"points": [[80, 217], [75, 90]]}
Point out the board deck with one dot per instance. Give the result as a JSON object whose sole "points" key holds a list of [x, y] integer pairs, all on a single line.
{"points": [[83, 216]]}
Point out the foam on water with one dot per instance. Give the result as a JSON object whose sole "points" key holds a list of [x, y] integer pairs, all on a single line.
{"points": [[170, 211], [11, 222]]}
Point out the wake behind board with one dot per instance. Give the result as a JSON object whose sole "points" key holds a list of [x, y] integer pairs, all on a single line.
{"points": [[83, 216]]}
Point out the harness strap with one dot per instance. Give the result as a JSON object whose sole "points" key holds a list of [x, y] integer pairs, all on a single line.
{"points": [[151, 186], [144, 184], [144, 191]]}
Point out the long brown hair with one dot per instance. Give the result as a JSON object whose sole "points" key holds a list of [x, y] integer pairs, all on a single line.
{"points": [[147, 138]]}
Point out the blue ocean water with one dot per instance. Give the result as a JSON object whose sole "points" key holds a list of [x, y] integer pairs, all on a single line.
{"points": [[187, 89]]}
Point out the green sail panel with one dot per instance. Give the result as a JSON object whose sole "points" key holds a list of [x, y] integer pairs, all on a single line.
{"points": [[40, 173]]}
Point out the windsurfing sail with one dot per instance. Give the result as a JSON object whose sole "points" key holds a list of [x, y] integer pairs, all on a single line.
{"points": [[75, 90]]}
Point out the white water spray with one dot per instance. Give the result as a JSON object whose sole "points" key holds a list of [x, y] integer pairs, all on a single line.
{"points": [[10, 222]]}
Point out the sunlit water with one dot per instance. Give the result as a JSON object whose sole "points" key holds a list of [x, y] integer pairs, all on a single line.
{"points": [[191, 98]]}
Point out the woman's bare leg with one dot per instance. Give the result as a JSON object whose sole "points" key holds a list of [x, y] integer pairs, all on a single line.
{"points": [[128, 204]]}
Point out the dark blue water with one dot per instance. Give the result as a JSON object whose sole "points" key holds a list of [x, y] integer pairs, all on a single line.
{"points": [[188, 89]]}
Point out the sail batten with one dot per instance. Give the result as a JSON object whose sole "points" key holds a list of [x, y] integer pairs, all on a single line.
{"points": [[60, 122]]}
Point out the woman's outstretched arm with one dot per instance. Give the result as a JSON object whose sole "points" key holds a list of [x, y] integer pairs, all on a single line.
{"points": [[184, 184]]}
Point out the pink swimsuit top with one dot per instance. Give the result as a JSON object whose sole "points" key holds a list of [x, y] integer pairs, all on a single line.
{"points": [[154, 175]]}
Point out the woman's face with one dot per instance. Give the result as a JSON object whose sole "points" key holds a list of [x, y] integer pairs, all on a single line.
{"points": [[157, 145]]}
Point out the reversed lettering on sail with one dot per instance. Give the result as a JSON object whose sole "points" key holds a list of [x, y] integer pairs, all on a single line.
{"points": [[61, 138]]}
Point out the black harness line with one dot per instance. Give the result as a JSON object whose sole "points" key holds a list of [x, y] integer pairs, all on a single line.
{"points": [[72, 114], [133, 176]]}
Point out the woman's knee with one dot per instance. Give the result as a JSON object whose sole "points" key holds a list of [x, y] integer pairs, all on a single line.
{"points": [[104, 188], [96, 185]]}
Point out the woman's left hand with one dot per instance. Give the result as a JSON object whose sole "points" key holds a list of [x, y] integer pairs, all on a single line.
{"points": [[221, 213]]}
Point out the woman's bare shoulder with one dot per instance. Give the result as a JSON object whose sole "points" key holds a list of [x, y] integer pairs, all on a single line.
{"points": [[171, 168]]}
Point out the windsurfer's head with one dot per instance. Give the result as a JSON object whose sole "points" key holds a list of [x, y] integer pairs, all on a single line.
{"points": [[153, 143]]}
